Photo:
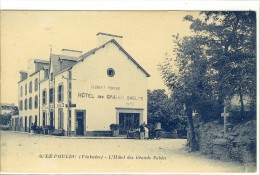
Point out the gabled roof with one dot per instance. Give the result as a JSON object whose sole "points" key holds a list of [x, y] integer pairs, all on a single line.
{"points": [[87, 54], [131, 58], [84, 56]]}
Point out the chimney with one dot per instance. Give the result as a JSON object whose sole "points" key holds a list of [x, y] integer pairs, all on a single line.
{"points": [[102, 38], [23, 75]]}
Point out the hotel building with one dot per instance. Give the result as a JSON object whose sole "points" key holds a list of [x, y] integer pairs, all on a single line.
{"points": [[84, 93]]}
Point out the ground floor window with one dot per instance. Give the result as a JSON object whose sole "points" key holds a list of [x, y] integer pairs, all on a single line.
{"points": [[25, 124], [51, 118], [43, 119], [30, 122], [128, 121], [60, 118], [21, 122], [35, 120]]}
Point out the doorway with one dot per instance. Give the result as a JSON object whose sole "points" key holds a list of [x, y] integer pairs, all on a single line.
{"points": [[80, 124]]}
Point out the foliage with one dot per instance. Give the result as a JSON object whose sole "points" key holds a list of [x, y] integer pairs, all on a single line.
{"points": [[217, 61], [5, 127], [5, 119], [114, 127], [163, 109]]}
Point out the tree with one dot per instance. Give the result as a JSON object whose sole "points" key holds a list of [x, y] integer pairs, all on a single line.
{"points": [[163, 109], [231, 50], [218, 60]]}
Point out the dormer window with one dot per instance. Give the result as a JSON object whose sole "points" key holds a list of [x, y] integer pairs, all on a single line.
{"points": [[46, 74]]}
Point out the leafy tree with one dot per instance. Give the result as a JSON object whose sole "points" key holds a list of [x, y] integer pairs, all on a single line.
{"points": [[163, 109], [5, 119], [230, 46], [217, 61]]}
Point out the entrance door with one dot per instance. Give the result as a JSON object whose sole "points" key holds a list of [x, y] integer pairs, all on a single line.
{"points": [[25, 124], [128, 121], [80, 123]]}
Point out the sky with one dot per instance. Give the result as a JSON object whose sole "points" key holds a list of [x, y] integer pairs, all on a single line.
{"points": [[147, 36]]}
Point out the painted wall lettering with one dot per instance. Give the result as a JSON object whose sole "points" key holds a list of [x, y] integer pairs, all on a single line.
{"points": [[97, 87], [85, 95]]}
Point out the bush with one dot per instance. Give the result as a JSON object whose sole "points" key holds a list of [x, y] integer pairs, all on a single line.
{"points": [[5, 127], [114, 127], [5, 119]]}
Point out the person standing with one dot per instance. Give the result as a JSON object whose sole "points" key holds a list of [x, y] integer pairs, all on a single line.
{"points": [[146, 132], [142, 130]]}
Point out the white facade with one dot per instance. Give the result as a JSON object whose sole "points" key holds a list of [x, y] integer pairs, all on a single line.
{"points": [[84, 95]]}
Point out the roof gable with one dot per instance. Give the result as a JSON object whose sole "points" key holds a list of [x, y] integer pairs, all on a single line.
{"points": [[84, 56]]}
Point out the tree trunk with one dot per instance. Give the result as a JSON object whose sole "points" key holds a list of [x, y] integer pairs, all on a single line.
{"points": [[242, 107], [191, 133]]}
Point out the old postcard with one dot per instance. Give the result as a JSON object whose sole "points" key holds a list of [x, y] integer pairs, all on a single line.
{"points": [[129, 91]]}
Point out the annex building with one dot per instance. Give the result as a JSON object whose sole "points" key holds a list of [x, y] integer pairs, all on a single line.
{"points": [[84, 93]]}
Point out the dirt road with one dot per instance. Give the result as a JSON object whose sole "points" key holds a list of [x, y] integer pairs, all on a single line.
{"points": [[33, 154]]}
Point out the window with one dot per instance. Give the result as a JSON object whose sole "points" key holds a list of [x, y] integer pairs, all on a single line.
{"points": [[30, 103], [21, 91], [69, 119], [51, 95], [30, 87], [51, 118], [21, 121], [43, 119], [51, 76], [60, 118], [36, 84], [25, 89], [25, 104], [35, 120], [21, 105], [70, 75], [110, 72], [46, 74], [60, 93], [36, 101], [69, 94], [44, 97]]}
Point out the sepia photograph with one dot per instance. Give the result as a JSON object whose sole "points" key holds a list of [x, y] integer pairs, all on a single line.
{"points": [[129, 91]]}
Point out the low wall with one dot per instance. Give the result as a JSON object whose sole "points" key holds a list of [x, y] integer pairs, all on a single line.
{"points": [[238, 144], [170, 135]]}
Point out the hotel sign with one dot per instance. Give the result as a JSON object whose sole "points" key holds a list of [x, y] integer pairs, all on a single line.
{"points": [[71, 105], [109, 96]]}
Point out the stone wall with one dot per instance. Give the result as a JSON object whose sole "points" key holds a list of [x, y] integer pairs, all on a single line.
{"points": [[238, 144]]}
